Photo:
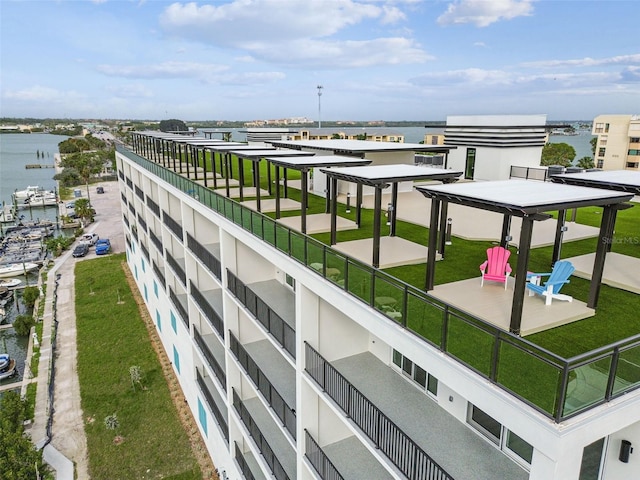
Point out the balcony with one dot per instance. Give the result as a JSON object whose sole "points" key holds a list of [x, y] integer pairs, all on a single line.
{"points": [[345, 459], [248, 465], [174, 226], [210, 302], [415, 434], [153, 206], [279, 321], [155, 240], [272, 376], [179, 301], [159, 271], [177, 265], [215, 403], [272, 443], [139, 192], [213, 353], [207, 254]]}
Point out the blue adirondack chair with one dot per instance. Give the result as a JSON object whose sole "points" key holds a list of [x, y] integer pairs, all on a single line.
{"points": [[560, 274]]}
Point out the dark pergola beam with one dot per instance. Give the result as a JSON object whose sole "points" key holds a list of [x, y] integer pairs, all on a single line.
{"points": [[560, 229], [524, 249], [432, 245], [506, 230], [377, 213], [444, 211]]}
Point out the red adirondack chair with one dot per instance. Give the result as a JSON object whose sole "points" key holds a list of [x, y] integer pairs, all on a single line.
{"points": [[496, 268]]}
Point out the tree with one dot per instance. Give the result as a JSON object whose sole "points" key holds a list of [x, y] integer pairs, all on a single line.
{"points": [[22, 325], [30, 295], [83, 209], [593, 142], [586, 162], [19, 458], [558, 154], [173, 125]]}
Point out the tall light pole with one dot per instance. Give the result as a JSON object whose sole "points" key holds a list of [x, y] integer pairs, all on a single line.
{"points": [[319, 109]]}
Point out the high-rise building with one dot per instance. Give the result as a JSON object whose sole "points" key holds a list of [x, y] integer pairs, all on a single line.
{"points": [[299, 362], [618, 144]]}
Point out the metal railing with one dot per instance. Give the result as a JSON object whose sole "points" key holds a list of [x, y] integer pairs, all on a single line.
{"points": [[153, 206], [208, 397], [529, 173], [124, 198], [139, 192], [145, 250], [242, 463], [403, 452], [183, 313], [155, 240], [142, 222], [205, 256], [531, 373], [283, 411], [126, 219], [212, 316], [176, 267], [159, 274], [265, 449], [129, 183], [275, 325], [174, 226], [325, 468], [218, 370]]}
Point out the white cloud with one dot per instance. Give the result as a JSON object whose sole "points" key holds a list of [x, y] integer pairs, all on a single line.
{"points": [[479, 44], [163, 70], [483, 13], [38, 93], [587, 62], [136, 90]]}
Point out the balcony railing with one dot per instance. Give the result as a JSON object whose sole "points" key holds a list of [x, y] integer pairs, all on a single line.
{"points": [[208, 397], [129, 183], [139, 192], [531, 373], [529, 173], [265, 449], [275, 325], [132, 209], [142, 222], [126, 219], [159, 274], [121, 175], [174, 226], [153, 206], [205, 256], [183, 313], [319, 460], [155, 240], [207, 353], [145, 250], [242, 463], [177, 268], [212, 316], [284, 412], [405, 454], [124, 198]]}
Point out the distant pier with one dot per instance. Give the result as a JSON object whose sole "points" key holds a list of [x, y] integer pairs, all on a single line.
{"points": [[39, 165]]}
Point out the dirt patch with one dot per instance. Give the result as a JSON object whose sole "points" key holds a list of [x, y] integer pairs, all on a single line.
{"points": [[198, 447]]}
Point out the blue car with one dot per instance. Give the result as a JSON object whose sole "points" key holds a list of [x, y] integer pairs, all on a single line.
{"points": [[103, 246]]}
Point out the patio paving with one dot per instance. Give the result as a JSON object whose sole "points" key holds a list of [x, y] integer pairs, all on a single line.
{"points": [[492, 303], [394, 251], [219, 181], [269, 205], [235, 192], [318, 223], [620, 271]]}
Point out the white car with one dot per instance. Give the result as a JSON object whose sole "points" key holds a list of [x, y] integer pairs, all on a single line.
{"points": [[89, 238]]}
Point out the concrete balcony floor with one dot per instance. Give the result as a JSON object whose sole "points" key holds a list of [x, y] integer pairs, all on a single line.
{"points": [[279, 297], [276, 369], [353, 460]]}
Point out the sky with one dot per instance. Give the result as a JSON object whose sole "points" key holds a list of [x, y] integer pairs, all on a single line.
{"points": [[264, 59]]}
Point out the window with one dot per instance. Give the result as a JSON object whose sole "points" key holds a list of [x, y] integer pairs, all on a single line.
{"points": [[600, 163], [176, 359], [202, 417], [592, 460], [634, 140], [633, 151], [146, 296], [601, 151], [158, 321], [155, 288], [418, 374], [518, 446], [632, 164], [606, 128], [485, 424], [144, 268], [290, 281], [174, 324]]}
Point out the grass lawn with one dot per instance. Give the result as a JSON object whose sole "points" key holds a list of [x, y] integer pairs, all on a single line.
{"points": [[112, 337]]}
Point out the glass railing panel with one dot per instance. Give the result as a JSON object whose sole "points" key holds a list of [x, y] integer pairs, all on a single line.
{"points": [[269, 231], [424, 318], [469, 343], [388, 297], [282, 238], [540, 386], [628, 370], [247, 215], [236, 213], [256, 225], [315, 254], [336, 266], [298, 246], [358, 281], [587, 385]]}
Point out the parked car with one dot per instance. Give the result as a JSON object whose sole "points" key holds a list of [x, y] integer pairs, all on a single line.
{"points": [[81, 250], [99, 189], [89, 238], [71, 205], [103, 246]]}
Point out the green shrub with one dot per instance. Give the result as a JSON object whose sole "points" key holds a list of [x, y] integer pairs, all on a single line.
{"points": [[22, 324]]}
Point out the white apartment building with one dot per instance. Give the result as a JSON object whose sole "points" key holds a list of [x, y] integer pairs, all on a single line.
{"points": [[618, 145], [294, 373]]}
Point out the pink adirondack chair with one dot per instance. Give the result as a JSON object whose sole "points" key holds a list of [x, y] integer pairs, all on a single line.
{"points": [[496, 268]]}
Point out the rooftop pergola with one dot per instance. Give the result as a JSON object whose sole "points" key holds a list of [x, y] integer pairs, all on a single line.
{"points": [[380, 177], [620, 180], [529, 200], [255, 156], [304, 164], [361, 147]]}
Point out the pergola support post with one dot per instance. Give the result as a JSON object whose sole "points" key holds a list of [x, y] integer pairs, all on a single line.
{"points": [[377, 212], [334, 209], [394, 209], [432, 244], [524, 248], [444, 211], [604, 241], [506, 231], [359, 204], [560, 229]]}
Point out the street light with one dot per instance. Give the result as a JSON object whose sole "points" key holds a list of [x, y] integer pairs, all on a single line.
{"points": [[319, 87]]}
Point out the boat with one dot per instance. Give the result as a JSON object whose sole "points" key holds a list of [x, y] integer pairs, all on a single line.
{"points": [[10, 283], [7, 366], [41, 199], [26, 193], [16, 269], [6, 214]]}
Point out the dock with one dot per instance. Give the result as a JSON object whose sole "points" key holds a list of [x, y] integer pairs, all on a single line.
{"points": [[39, 165]]}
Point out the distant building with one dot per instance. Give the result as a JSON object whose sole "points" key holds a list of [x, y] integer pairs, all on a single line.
{"points": [[489, 145], [373, 134], [433, 138], [618, 146]]}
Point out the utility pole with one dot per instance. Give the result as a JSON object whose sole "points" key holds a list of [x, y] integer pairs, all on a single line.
{"points": [[319, 109]]}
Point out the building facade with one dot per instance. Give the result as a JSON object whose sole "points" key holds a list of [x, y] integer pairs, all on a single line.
{"points": [[294, 372], [618, 144]]}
